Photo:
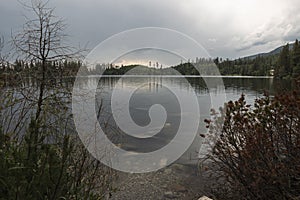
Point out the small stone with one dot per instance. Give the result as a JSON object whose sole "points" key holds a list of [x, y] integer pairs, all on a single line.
{"points": [[164, 186], [178, 167], [168, 171], [170, 195], [204, 198], [179, 188]]}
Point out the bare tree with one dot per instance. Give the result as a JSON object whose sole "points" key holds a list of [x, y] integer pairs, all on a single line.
{"points": [[1, 46], [4, 64], [42, 39], [2, 56], [65, 166]]}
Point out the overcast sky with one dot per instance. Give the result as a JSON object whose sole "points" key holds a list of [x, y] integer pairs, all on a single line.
{"points": [[226, 28]]}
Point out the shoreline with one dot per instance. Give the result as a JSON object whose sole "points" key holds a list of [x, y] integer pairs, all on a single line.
{"points": [[177, 181]]}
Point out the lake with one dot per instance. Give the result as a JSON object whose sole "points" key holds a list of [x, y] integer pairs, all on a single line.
{"points": [[147, 91]]}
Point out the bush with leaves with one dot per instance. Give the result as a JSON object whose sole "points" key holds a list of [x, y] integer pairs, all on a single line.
{"points": [[47, 161], [257, 149]]}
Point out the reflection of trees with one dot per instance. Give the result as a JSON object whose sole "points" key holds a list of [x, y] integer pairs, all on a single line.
{"points": [[257, 85]]}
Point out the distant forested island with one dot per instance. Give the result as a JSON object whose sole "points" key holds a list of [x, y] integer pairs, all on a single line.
{"points": [[283, 62]]}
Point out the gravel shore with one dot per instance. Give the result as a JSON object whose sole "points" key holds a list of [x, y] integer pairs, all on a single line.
{"points": [[173, 182]]}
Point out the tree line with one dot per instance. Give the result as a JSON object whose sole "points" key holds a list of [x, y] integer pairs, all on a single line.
{"points": [[289, 61], [285, 64]]}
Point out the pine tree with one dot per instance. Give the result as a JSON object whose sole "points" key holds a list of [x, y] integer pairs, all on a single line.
{"points": [[296, 60], [284, 68]]}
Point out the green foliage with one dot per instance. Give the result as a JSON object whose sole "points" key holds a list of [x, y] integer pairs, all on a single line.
{"points": [[289, 62], [123, 70], [284, 68], [44, 158], [35, 169], [31, 170], [186, 69], [296, 60], [258, 66]]}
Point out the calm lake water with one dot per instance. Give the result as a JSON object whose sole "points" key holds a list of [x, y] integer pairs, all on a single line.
{"points": [[152, 90], [159, 90]]}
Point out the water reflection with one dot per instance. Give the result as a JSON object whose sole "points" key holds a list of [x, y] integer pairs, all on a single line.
{"points": [[152, 91]]}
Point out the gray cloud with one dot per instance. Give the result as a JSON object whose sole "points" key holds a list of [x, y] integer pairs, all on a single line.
{"points": [[278, 31], [225, 28]]}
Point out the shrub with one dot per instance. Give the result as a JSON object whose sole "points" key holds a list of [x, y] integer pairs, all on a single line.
{"points": [[257, 149], [45, 159]]}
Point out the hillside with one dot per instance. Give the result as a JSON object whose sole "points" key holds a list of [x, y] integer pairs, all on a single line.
{"points": [[271, 53]]}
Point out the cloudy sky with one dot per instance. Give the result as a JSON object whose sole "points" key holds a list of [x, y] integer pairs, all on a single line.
{"points": [[225, 28]]}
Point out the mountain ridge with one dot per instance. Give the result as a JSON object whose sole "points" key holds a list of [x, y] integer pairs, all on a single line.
{"points": [[275, 51]]}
